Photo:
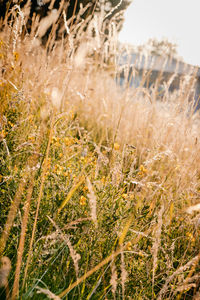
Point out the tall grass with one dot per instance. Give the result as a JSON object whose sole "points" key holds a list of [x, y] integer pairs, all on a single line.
{"points": [[99, 201]]}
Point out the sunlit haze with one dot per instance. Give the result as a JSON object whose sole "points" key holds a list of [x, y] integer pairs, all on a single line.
{"points": [[176, 20]]}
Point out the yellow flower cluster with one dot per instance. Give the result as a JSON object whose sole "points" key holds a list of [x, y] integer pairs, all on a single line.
{"points": [[16, 56], [59, 170], [85, 189], [11, 124], [191, 237], [103, 179], [116, 146], [128, 246], [69, 141], [82, 201], [142, 171], [128, 196], [56, 141], [3, 134], [31, 138]]}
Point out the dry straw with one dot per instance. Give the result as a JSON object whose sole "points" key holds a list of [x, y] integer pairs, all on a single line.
{"points": [[74, 255], [43, 177], [101, 264], [20, 250], [114, 277], [124, 273], [164, 133], [180, 270], [48, 293], [5, 268], [92, 201], [193, 208], [156, 244], [12, 213], [31, 181]]}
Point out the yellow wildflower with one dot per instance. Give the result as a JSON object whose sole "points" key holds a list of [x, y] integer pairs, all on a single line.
{"points": [[141, 254], [55, 139], [31, 138], [191, 237], [128, 246], [103, 179], [82, 201], [143, 169], [11, 124], [16, 56], [58, 169], [3, 134], [116, 146], [85, 189], [71, 114], [68, 141]]}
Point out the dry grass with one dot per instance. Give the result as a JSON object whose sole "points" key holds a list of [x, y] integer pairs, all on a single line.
{"points": [[111, 170]]}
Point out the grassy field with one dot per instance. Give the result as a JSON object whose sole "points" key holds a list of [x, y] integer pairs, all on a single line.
{"points": [[99, 185]]}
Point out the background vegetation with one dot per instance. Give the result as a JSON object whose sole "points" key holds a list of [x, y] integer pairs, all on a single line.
{"points": [[99, 185]]}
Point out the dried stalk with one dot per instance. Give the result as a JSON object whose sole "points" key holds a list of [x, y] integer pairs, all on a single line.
{"points": [[75, 256], [12, 213], [34, 160], [4, 273], [45, 166], [20, 251], [192, 262], [155, 247]]}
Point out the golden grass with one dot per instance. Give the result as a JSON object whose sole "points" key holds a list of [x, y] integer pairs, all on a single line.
{"points": [[131, 164]]}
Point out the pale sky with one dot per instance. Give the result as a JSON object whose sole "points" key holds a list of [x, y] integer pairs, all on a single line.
{"points": [[176, 20]]}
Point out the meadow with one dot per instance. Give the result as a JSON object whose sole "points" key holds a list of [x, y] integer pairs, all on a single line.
{"points": [[99, 185]]}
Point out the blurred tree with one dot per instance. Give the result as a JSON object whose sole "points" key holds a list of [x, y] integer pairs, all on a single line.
{"points": [[162, 48], [112, 9]]}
